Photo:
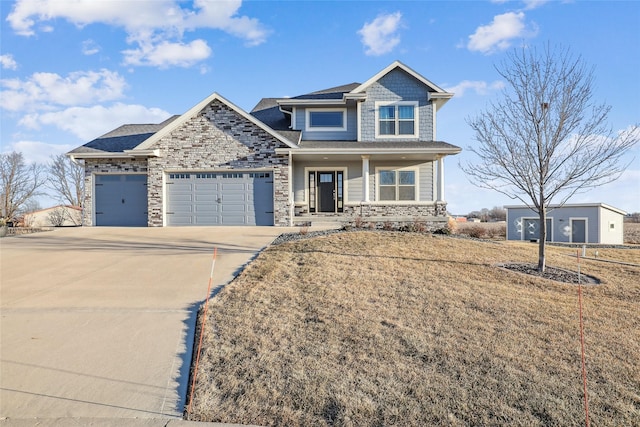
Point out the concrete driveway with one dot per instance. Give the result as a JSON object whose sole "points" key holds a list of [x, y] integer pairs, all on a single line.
{"points": [[99, 322]]}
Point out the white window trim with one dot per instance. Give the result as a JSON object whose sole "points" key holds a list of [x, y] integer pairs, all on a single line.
{"points": [[309, 128], [416, 119], [397, 169]]}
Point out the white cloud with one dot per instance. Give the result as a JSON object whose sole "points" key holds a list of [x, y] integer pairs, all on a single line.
{"points": [[499, 34], [37, 151], [380, 35], [90, 47], [479, 87], [7, 62], [165, 54], [533, 4], [156, 26], [88, 123], [46, 90]]}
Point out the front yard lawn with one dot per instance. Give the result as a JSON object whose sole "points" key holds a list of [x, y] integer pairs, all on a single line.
{"points": [[388, 328]]}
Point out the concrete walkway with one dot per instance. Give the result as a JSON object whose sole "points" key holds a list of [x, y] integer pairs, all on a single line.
{"points": [[97, 323]]}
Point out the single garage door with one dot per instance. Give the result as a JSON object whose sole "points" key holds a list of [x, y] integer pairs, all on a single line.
{"points": [[238, 198], [121, 200]]}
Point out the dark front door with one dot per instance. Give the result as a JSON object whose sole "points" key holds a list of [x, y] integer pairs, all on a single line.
{"points": [[326, 192]]}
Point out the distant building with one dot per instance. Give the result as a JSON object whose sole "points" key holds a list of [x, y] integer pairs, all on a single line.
{"points": [[574, 223], [55, 216]]}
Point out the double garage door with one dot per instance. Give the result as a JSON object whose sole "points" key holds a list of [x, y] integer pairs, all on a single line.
{"points": [[239, 198], [215, 198]]}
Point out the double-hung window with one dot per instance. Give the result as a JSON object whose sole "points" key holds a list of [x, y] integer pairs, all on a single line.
{"points": [[397, 119], [396, 184]]}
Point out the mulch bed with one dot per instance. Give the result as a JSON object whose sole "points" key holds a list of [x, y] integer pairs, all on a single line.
{"points": [[552, 273]]}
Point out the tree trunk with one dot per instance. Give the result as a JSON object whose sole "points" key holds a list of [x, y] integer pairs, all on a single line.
{"points": [[543, 236]]}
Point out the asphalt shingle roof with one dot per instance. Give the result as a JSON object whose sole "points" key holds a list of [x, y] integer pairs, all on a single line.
{"points": [[126, 137]]}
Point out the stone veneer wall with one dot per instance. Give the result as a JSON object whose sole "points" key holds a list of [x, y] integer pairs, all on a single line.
{"points": [[105, 166], [437, 209], [218, 138]]}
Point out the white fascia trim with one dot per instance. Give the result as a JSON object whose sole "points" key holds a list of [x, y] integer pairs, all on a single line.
{"points": [[309, 128], [310, 102], [105, 155], [367, 150], [361, 151], [143, 153], [199, 107]]}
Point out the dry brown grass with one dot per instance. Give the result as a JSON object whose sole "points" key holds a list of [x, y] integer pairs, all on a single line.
{"points": [[632, 233], [370, 328]]}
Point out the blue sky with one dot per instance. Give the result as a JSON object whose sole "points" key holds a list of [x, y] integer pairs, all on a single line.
{"points": [[73, 70]]}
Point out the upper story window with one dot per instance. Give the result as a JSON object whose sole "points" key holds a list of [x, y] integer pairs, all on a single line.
{"points": [[319, 120], [397, 119]]}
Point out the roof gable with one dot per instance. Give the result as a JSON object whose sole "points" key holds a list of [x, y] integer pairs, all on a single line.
{"points": [[397, 64], [148, 143]]}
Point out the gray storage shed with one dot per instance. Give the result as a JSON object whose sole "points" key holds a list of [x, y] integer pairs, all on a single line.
{"points": [[569, 223]]}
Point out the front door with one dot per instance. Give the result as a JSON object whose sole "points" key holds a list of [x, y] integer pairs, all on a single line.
{"points": [[326, 192]]}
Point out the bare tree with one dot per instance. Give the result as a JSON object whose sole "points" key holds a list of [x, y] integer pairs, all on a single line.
{"points": [[547, 137], [66, 180], [19, 183]]}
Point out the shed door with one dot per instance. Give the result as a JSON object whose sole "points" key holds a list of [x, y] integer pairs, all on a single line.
{"points": [[215, 198], [579, 231], [121, 200]]}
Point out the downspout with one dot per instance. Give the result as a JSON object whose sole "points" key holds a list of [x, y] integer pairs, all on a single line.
{"points": [[289, 113]]}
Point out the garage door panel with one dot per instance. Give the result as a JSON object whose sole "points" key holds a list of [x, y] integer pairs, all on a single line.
{"points": [[121, 200], [234, 198], [206, 209], [181, 197], [220, 198]]}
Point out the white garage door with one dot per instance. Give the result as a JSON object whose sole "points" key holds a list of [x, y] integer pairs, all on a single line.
{"points": [[216, 198], [121, 200]]}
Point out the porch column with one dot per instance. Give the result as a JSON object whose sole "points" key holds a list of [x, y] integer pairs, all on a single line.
{"points": [[441, 179], [365, 178]]}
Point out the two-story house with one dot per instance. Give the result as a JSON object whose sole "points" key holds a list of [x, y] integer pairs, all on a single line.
{"points": [[364, 151]]}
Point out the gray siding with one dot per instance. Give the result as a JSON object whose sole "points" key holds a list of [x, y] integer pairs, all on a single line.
{"points": [[598, 220], [351, 134], [425, 178], [353, 179], [397, 86]]}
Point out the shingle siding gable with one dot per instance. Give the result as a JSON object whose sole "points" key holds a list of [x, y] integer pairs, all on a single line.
{"points": [[397, 85]]}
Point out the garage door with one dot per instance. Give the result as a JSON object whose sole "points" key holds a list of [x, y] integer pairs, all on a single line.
{"points": [[121, 200], [239, 198]]}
